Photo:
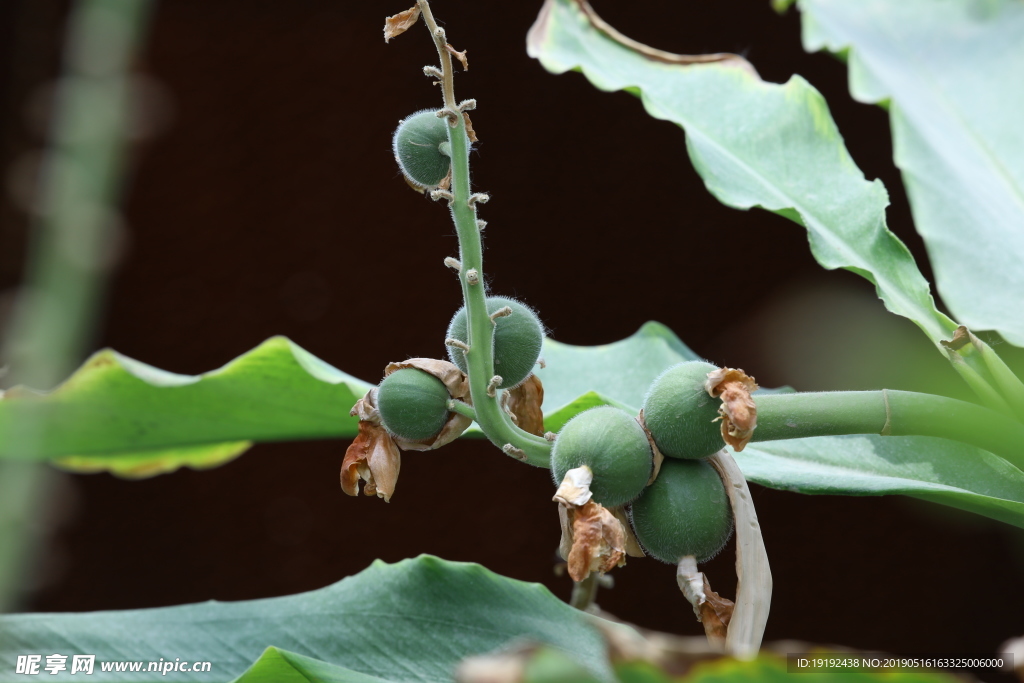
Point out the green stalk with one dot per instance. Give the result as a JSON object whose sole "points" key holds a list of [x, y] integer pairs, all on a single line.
{"points": [[985, 372], [885, 412], [494, 422]]}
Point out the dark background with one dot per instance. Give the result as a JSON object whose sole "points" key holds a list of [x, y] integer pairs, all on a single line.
{"points": [[266, 202]]}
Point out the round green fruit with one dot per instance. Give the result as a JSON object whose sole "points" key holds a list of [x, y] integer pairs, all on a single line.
{"points": [[615, 448], [422, 149], [413, 404], [681, 415], [517, 340], [684, 512]]}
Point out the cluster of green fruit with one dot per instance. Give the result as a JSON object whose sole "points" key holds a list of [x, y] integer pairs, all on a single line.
{"points": [[685, 510]]}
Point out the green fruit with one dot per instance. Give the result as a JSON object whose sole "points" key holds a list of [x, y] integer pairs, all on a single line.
{"points": [[413, 404], [422, 149], [613, 445], [517, 340], [684, 512], [680, 414]]}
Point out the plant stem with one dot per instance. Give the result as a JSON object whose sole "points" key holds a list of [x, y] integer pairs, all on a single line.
{"points": [[480, 357], [584, 592], [462, 409], [885, 412]]}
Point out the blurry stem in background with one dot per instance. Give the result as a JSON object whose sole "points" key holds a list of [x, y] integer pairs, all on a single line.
{"points": [[72, 244]]}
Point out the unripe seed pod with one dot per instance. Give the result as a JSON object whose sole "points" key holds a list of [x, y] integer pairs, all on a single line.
{"points": [[413, 404], [517, 340], [684, 512], [680, 414], [422, 149], [613, 445]]}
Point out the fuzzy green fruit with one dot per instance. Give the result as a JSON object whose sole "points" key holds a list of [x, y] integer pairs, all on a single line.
{"points": [[613, 445], [422, 149], [413, 404], [684, 512], [680, 414], [517, 340]]}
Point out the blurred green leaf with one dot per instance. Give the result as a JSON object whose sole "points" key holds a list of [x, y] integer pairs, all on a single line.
{"points": [[950, 73], [410, 621], [755, 144], [769, 668], [280, 666]]}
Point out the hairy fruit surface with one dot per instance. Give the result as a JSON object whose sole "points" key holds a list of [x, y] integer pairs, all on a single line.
{"points": [[684, 512], [681, 415], [422, 149], [517, 340], [615, 448], [413, 404]]}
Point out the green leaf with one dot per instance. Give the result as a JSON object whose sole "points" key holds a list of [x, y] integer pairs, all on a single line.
{"points": [[755, 144], [938, 470], [158, 461], [410, 621], [951, 73], [580, 377], [116, 407], [280, 666]]}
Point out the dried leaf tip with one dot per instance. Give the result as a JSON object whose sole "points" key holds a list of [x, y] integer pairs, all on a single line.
{"points": [[961, 338], [738, 411], [400, 23]]}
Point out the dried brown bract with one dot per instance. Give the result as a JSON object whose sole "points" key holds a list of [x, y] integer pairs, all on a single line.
{"points": [[373, 456], [738, 411], [523, 403], [598, 542], [400, 23], [715, 613], [461, 56], [470, 133]]}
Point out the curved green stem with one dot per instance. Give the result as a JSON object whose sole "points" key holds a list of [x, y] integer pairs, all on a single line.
{"points": [[885, 412], [494, 422], [462, 408]]}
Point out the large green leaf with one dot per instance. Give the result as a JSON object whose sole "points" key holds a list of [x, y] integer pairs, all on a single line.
{"points": [[951, 72], [116, 406], [938, 470], [755, 144], [410, 621]]}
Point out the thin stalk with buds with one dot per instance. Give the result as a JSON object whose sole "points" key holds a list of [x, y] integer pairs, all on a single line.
{"points": [[462, 202]]}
